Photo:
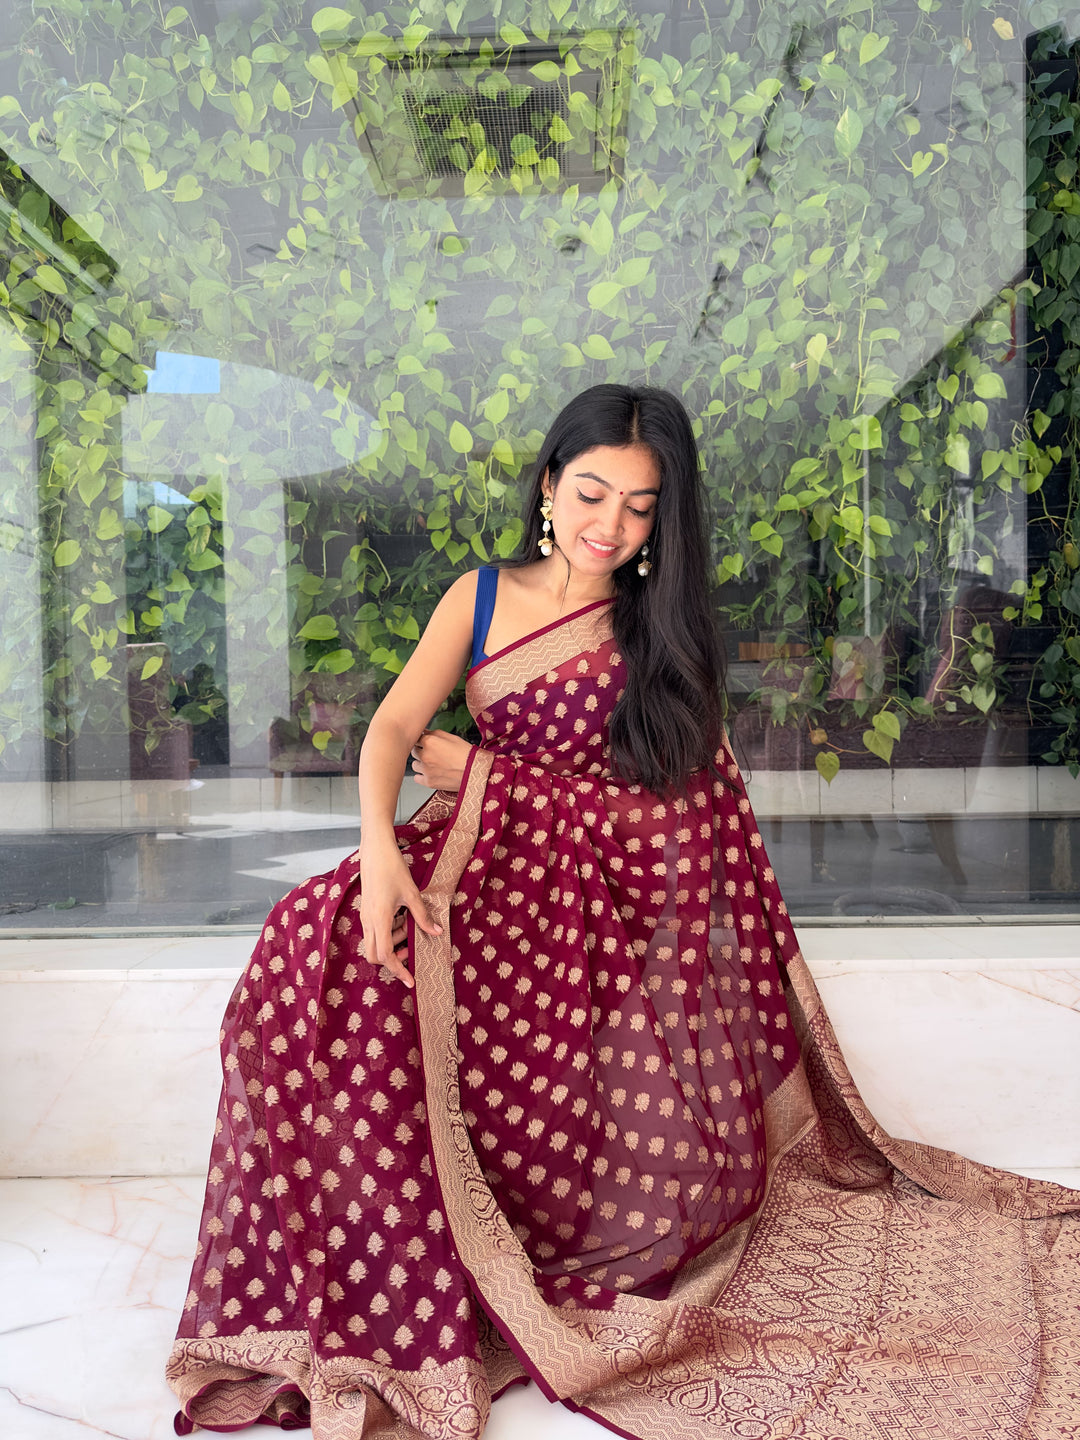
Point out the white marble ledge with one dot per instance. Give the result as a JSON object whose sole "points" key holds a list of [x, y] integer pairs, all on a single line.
{"points": [[947, 793], [96, 1272], [829, 949], [140, 956], [833, 949], [115, 1072]]}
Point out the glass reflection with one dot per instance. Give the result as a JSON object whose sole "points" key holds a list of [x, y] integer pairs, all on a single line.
{"points": [[286, 306]]}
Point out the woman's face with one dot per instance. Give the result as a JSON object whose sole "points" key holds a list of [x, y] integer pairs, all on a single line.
{"points": [[604, 507]]}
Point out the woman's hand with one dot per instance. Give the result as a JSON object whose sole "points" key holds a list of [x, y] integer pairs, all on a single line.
{"points": [[439, 759], [387, 896]]}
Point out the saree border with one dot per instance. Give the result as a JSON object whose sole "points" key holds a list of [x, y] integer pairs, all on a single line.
{"points": [[338, 1389], [556, 1354], [522, 663]]}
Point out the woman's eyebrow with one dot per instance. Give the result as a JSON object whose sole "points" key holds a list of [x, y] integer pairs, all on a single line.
{"points": [[588, 475]]}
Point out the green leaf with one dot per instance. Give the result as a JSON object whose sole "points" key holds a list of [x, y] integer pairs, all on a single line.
{"points": [[151, 667], [49, 279], [597, 347], [176, 16], [157, 519], [510, 35], [868, 432], [827, 764], [990, 386], [319, 627], [871, 47], [958, 454], [633, 272], [886, 722], [984, 695], [331, 18], [460, 439], [603, 293], [336, 663], [100, 667], [601, 234], [879, 744], [109, 525], [187, 188], [849, 131], [756, 274], [497, 407], [736, 330], [66, 553], [817, 347]]}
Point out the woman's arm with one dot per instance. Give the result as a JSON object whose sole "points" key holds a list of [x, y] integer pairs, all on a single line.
{"points": [[433, 670]]}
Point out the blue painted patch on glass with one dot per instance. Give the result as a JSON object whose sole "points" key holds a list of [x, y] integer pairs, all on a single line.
{"points": [[176, 374]]}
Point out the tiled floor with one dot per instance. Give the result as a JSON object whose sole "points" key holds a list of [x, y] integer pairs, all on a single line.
{"points": [[91, 1280]]}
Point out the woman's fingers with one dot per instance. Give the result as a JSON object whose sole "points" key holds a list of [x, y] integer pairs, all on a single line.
{"points": [[439, 760], [417, 908], [389, 945], [385, 955]]}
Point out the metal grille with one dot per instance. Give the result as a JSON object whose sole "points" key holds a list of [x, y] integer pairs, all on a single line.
{"points": [[450, 123]]}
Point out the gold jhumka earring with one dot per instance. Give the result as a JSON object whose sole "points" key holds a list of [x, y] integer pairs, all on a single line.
{"points": [[546, 542]]}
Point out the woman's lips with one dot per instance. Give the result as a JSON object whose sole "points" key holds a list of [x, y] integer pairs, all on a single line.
{"points": [[599, 548]]}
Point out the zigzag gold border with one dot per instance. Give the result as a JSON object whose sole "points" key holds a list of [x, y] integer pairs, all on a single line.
{"points": [[498, 1266], [516, 669]]}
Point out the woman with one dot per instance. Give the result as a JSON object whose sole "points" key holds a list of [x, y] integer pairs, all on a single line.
{"points": [[537, 1085]]}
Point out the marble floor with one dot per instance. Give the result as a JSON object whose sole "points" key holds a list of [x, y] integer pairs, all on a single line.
{"points": [[92, 1274]]}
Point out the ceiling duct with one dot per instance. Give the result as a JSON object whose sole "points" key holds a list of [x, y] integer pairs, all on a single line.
{"points": [[458, 116]]}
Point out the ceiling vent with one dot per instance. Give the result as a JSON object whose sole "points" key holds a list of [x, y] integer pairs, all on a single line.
{"points": [[458, 117]]}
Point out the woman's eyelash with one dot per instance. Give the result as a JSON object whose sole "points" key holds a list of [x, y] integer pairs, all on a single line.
{"points": [[596, 499]]}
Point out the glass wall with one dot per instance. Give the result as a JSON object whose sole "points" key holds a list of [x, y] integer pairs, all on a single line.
{"points": [[289, 293]]}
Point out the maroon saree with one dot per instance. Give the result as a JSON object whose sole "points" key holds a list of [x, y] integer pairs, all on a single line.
{"points": [[608, 1143]]}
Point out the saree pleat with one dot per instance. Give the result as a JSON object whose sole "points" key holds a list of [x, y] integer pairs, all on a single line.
{"points": [[608, 1143]]}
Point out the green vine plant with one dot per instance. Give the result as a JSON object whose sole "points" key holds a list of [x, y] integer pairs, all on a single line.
{"points": [[405, 235]]}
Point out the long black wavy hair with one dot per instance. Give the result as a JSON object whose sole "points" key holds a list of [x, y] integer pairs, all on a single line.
{"points": [[669, 722]]}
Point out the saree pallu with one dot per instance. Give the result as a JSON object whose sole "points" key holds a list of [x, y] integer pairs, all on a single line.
{"points": [[608, 1143]]}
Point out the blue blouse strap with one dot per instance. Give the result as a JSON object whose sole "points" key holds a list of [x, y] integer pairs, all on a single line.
{"points": [[487, 580]]}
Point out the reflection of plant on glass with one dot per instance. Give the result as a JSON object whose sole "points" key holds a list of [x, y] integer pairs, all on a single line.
{"points": [[406, 246]]}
